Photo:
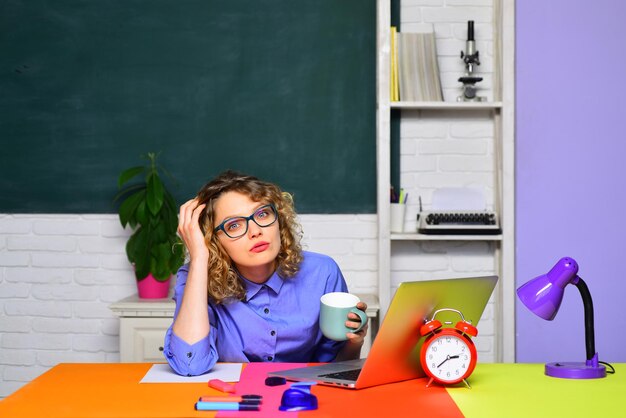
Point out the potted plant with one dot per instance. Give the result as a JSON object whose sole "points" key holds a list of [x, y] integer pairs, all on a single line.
{"points": [[154, 248]]}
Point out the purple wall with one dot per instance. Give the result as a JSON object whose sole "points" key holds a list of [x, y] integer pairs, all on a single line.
{"points": [[571, 169]]}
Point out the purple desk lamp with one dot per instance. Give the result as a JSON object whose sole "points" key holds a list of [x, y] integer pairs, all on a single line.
{"points": [[543, 295]]}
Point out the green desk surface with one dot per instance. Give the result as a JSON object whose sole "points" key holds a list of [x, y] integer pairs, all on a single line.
{"points": [[523, 390]]}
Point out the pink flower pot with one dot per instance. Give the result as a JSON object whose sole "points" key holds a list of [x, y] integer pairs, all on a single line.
{"points": [[151, 288]]}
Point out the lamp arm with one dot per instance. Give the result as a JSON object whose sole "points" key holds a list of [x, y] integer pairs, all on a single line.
{"points": [[589, 327]]}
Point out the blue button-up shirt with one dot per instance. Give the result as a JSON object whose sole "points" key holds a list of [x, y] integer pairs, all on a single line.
{"points": [[278, 321]]}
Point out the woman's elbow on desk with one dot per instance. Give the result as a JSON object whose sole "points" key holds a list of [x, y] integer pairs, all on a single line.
{"points": [[189, 360], [193, 365]]}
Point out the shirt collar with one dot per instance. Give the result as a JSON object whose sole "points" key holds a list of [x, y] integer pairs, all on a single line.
{"points": [[275, 282]]}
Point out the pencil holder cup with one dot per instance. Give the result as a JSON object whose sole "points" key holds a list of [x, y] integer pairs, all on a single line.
{"points": [[397, 217]]}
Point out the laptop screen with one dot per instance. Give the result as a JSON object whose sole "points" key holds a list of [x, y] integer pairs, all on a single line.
{"points": [[395, 352]]}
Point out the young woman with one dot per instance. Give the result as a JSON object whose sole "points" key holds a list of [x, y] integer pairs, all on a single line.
{"points": [[249, 292]]}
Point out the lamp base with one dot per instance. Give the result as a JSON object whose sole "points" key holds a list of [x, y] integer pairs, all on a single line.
{"points": [[575, 370]]}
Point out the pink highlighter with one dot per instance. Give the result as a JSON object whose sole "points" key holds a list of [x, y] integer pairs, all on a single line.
{"points": [[222, 386]]}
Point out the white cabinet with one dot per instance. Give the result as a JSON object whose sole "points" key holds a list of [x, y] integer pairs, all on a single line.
{"points": [[141, 339], [499, 179], [143, 323]]}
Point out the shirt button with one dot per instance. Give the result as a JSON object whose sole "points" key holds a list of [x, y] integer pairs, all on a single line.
{"points": [[266, 310], [270, 358], [189, 354], [273, 333]]}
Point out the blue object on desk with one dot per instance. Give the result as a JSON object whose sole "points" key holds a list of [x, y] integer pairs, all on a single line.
{"points": [[299, 398], [227, 406]]}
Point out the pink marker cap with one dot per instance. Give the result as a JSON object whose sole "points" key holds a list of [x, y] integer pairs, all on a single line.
{"points": [[222, 386]]}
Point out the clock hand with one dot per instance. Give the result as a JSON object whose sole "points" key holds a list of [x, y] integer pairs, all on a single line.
{"points": [[447, 358]]}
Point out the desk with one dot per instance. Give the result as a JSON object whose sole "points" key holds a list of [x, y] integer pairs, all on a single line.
{"points": [[498, 390]]}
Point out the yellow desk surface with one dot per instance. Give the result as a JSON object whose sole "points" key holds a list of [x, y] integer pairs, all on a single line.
{"points": [[498, 390], [523, 390]]}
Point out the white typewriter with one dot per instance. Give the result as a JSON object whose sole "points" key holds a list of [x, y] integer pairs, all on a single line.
{"points": [[458, 211], [459, 222]]}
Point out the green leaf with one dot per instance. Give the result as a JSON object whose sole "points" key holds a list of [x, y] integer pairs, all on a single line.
{"points": [[154, 197], [135, 245], [171, 223], [142, 254], [128, 190], [129, 174], [142, 269], [154, 268], [141, 215], [160, 233], [129, 206], [166, 251], [158, 269], [171, 204], [155, 221], [131, 248], [170, 214]]}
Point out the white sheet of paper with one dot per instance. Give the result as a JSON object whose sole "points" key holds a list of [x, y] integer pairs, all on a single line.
{"points": [[163, 373], [459, 198]]}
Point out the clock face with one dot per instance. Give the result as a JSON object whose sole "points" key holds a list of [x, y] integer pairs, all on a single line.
{"points": [[448, 358]]}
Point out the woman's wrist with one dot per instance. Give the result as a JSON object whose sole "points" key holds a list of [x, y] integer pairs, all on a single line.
{"points": [[199, 260], [358, 343]]}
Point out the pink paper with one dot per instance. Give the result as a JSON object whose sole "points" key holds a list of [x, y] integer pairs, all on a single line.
{"points": [[252, 382]]}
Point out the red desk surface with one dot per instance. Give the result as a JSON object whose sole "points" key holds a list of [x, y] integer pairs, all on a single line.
{"points": [[498, 390]]}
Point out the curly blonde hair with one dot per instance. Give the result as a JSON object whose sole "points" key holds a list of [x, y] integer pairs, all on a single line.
{"points": [[224, 282]]}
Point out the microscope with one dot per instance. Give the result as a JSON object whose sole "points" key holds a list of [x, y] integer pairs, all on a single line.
{"points": [[470, 58]]}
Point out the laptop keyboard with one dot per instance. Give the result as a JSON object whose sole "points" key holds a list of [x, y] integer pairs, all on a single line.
{"points": [[345, 375]]}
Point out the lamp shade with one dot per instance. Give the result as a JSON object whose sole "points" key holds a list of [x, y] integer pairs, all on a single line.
{"points": [[543, 294]]}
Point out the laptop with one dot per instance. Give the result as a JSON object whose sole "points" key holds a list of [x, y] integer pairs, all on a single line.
{"points": [[395, 353]]}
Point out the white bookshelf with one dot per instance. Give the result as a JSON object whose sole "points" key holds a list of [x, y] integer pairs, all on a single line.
{"points": [[501, 112]]}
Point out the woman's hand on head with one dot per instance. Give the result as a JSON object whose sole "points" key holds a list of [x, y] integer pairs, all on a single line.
{"points": [[189, 229], [354, 322]]}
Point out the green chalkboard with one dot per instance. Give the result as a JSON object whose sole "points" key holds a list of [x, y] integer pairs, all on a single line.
{"points": [[281, 89]]}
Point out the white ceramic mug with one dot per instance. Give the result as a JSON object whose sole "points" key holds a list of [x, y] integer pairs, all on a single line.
{"points": [[334, 310]]}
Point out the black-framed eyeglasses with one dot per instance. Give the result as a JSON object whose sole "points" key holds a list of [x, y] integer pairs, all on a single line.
{"points": [[237, 227]]}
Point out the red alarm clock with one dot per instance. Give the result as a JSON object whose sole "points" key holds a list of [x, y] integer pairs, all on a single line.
{"points": [[448, 355]]}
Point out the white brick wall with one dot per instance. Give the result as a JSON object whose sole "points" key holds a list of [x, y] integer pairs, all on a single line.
{"points": [[59, 273], [429, 260], [56, 281]]}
